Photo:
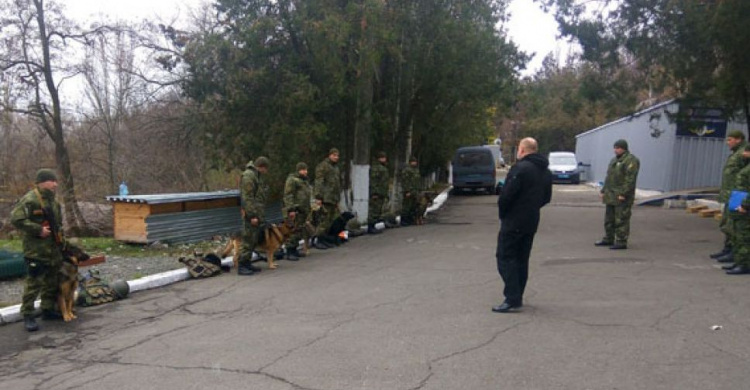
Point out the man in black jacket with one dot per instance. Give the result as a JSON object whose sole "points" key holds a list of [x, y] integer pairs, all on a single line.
{"points": [[528, 187]]}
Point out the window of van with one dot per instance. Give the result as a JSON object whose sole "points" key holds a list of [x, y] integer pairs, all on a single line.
{"points": [[472, 159]]}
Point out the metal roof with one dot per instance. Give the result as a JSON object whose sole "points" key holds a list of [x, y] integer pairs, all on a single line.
{"points": [[173, 198]]}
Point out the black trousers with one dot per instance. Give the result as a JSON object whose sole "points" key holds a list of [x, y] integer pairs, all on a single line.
{"points": [[513, 251]]}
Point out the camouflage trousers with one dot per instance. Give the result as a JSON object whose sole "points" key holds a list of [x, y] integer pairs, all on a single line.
{"points": [[727, 226], [409, 208], [250, 239], [741, 240], [330, 214], [45, 282], [375, 209], [300, 232], [617, 223]]}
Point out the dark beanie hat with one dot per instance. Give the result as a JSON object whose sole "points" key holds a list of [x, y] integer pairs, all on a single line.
{"points": [[736, 134], [332, 151], [382, 154], [301, 166], [261, 162], [412, 159], [621, 143], [43, 175]]}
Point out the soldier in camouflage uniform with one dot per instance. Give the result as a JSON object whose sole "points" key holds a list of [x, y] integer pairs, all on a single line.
{"points": [[38, 217], [328, 188], [411, 184], [735, 162], [618, 195], [253, 194], [297, 207], [379, 178], [740, 221]]}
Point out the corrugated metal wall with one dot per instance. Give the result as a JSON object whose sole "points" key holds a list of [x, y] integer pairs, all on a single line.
{"points": [[649, 139], [668, 162], [697, 162]]}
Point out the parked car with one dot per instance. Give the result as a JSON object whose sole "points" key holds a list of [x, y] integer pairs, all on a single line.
{"points": [[474, 168], [564, 167]]}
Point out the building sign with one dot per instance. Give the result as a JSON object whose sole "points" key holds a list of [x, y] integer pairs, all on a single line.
{"points": [[702, 122]]}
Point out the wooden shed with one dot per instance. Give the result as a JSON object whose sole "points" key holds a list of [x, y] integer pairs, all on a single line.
{"points": [[175, 217]]}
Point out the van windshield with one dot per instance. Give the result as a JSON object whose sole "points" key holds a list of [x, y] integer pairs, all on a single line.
{"points": [[562, 160], [473, 159]]}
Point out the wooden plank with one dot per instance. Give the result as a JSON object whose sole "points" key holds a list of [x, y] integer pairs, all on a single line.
{"points": [[164, 208], [709, 212], [718, 216], [197, 205], [131, 209], [696, 208], [92, 261]]}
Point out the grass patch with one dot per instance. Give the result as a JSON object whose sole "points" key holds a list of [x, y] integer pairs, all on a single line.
{"points": [[108, 246]]}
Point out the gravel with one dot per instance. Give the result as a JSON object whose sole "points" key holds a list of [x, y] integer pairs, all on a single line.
{"points": [[114, 268]]}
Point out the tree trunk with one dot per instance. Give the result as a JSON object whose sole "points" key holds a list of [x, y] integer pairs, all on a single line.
{"points": [[73, 217]]}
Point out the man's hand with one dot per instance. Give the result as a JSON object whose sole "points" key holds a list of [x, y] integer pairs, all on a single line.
{"points": [[291, 214], [254, 221], [407, 194], [741, 210], [45, 232]]}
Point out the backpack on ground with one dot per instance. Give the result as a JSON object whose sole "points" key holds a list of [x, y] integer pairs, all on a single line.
{"points": [[93, 290], [198, 268]]}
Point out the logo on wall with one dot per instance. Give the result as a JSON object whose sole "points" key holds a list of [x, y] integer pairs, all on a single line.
{"points": [[702, 122]]}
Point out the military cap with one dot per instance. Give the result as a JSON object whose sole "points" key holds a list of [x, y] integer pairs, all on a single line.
{"points": [[45, 174], [412, 159], [301, 166], [622, 144], [382, 154], [261, 162], [333, 151], [736, 134]]}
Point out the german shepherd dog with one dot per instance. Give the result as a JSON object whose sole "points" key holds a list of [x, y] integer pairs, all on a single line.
{"points": [[274, 237], [425, 200], [69, 282]]}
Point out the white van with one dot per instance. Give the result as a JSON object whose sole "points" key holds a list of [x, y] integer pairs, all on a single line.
{"points": [[564, 167]]}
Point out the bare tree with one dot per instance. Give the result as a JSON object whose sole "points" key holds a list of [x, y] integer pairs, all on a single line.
{"points": [[37, 40]]}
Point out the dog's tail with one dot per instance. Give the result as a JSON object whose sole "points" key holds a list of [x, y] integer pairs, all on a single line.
{"points": [[274, 230]]}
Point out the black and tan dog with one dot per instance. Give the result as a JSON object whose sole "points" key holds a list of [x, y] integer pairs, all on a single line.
{"points": [[274, 237], [69, 282]]}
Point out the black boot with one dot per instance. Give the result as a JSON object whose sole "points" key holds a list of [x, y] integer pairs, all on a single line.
{"points": [[726, 250], [244, 269], [51, 315], [279, 254], [30, 324], [292, 254], [372, 230], [728, 258]]}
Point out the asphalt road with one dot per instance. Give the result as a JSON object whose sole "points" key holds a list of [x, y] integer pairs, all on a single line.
{"points": [[410, 309]]}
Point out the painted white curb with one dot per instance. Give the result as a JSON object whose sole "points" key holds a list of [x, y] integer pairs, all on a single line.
{"points": [[13, 313]]}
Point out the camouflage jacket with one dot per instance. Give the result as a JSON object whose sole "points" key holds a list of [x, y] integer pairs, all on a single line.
{"points": [[411, 181], [27, 216], [734, 164], [253, 193], [297, 194], [622, 174], [742, 183], [328, 182], [379, 178]]}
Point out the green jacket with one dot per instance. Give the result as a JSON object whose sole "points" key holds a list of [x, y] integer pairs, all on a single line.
{"points": [[622, 174], [27, 216], [742, 183], [411, 181], [379, 178], [734, 164], [297, 194], [328, 182], [253, 193]]}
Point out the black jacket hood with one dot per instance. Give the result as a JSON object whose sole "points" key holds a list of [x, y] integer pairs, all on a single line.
{"points": [[537, 159]]}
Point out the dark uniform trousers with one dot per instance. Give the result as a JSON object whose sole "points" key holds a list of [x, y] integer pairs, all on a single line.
{"points": [[375, 211], [250, 239], [513, 251], [617, 222], [44, 282], [300, 232]]}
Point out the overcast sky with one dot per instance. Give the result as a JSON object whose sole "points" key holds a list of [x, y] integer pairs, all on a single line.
{"points": [[533, 30]]}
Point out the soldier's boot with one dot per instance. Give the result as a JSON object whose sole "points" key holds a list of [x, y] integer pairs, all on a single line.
{"points": [[728, 258], [619, 245], [30, 324], [51, 315], [724, 251], [292, 254], [371, 229], [279, 254]]}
